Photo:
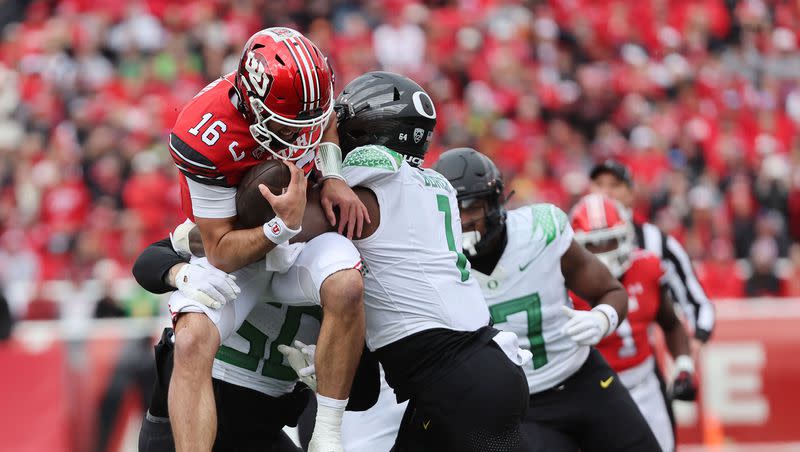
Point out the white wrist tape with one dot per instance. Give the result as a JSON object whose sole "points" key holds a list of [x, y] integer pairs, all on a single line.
{"points": [[277, 231], [328, 425], [684, 363], [611, 314], [329, 160], [180, 239]]}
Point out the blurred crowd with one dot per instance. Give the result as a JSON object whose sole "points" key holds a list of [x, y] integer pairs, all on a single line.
{"points": [[700, 98]]}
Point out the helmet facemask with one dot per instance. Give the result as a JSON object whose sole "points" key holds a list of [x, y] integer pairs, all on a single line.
{"points": [[308, 132], [613, 246], [494, 217]]}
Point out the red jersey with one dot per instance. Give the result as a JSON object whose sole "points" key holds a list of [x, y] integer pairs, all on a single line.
{"points": [[630, 343], [211, 141]]}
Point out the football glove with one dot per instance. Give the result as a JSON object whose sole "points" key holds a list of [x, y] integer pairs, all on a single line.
{"points": [[684, 383], [585, 327], [301, 357], [209, 286]]}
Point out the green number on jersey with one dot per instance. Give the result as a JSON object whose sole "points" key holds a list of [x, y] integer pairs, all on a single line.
{"points": [[273, 366], [461, 259], [532, 305]]}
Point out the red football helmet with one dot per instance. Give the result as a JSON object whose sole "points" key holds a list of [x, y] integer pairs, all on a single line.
{"points": [[284, 78], [604, 227]]}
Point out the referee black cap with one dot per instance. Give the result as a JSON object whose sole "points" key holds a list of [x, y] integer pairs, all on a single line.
{"points": [[614, 167]]}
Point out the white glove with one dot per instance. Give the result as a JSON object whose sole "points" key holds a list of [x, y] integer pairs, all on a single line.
{"points": [[209, 286], [585, 327], [301, 357]]}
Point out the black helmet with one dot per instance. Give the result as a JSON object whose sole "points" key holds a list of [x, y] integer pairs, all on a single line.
{"points": [[386, 109], [475, 176]]}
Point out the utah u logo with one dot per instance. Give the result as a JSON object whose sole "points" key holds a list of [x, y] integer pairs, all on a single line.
{"points": [[258, 78]]}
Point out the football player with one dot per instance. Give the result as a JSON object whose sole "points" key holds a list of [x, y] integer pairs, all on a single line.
{"points": [[603, 226], [255, 390], [614, 180], [525, 259], [427, 321], [274, 106]]}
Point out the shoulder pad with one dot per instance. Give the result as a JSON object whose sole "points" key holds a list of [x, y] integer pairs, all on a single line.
{"points": [[372, 156], [550, 219]]}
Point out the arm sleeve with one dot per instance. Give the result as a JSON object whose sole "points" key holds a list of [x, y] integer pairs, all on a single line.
{"points": [[210, 201], [687, 290], [153, 264]]}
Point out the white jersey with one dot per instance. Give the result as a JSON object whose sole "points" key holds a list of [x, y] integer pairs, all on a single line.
{"points": [[526, 290], [416, 277], [250, 357]]}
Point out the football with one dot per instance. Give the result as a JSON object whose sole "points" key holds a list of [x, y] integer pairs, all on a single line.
{"points": [[253, 210]]}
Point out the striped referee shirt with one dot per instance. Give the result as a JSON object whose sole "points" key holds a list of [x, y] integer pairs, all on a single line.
{"points": [[681, 280]]}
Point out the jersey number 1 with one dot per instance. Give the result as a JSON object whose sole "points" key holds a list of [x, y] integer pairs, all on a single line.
{"points": [[461, 260], [625, 333]]}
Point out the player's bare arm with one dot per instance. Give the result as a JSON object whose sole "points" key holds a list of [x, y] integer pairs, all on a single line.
{"points": [[683, 384], [335, 191], [674, 332], [230, 249], [314, 220], [590, 279]]}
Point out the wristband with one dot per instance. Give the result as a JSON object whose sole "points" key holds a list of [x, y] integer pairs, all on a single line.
{"points": [[684, 363], [277, 232], [611, 314], [329, 161]]}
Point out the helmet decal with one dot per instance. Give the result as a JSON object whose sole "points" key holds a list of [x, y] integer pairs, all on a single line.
{"points": [[259, 79], [424, 105]]}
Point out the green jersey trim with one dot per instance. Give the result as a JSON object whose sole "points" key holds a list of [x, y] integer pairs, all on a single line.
{"points": [[373, 156], [550, 219]]}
